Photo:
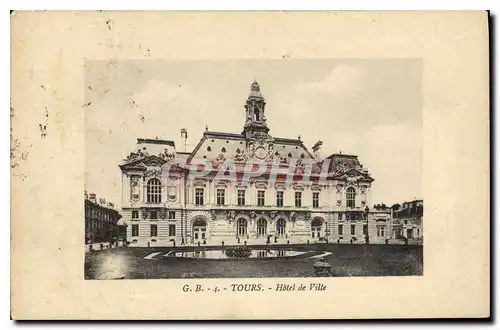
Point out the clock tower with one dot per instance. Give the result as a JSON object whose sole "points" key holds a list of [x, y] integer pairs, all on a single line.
{"points": [[259, 143]]}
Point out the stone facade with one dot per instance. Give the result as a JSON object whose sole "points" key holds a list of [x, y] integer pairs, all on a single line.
{"points": [[101, 220], [244, 187]]}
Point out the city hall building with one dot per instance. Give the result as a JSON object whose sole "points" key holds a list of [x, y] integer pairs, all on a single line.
{"points": [[245, 187]]}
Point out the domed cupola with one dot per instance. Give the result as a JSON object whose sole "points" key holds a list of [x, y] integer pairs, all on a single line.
{"points": [[255, 111]]}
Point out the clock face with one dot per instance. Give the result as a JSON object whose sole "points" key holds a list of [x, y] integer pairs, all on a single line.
{"points": [[260, 153]]}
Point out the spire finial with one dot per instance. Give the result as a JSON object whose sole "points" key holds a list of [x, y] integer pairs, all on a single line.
{"points": [[255, 86]]}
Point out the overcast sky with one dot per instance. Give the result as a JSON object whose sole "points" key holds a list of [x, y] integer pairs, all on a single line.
{"points": [[371, 108]]}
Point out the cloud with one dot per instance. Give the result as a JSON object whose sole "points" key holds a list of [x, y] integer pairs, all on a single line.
{"points": [[345, 80]]}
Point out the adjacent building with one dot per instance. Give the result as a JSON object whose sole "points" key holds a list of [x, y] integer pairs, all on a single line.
{"points": [[380, 224], [249, 187], [101, 220], [406, 220]]}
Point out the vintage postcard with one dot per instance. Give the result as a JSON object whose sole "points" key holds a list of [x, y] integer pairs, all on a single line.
{"points": [[279, 158]]}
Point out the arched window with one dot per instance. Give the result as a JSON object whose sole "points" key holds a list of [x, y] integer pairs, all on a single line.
{"points": [[351, 197], [209, 148], [257, 114], [154, 191], [223, 149]]}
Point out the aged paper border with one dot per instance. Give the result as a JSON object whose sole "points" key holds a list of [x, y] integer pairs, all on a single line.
{"points": [[47, 185]]}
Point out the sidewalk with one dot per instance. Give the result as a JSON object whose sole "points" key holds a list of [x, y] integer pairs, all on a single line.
{"points": [[228, 242], [100, 246], [231, 241]]}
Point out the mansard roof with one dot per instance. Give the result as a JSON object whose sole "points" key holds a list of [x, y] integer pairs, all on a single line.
{"points": [[234, 143], [222, 135], [347, 166], [156, 141], [141, 163]]}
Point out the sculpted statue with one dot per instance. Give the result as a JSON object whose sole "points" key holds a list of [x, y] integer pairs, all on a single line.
{"points": [[231, 214], [134, 187], [299, 167], [339, 188], [166, 155], [341, 168], [153, 172], [240, 156], [217, 161]]}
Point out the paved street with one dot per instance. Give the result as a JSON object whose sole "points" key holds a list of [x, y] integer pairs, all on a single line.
{"points": [[346, 260]]}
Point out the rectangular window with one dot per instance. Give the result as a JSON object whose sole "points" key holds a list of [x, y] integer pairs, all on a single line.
{"points": [[380, 231], [241, 197], [260, 197], [365, 229], [315, 199], [279, 198], [154, 230], [418, 232], [171, 215], [154, 215], [353, 229], [135, 214], [135, 230], [220, 196], [298, 199], [340, 216], [199, 196], [171, 230], [341, 230]]}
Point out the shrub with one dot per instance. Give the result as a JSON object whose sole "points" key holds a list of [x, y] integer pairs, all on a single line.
{"points": [[238, 251]]}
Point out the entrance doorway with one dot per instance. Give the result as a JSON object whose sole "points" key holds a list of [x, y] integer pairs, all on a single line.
{"points": [[316, 228], [199, 230]]}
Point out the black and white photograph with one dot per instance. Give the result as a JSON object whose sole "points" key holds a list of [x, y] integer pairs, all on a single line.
{"points": [[253, 168], [259, 165]]}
